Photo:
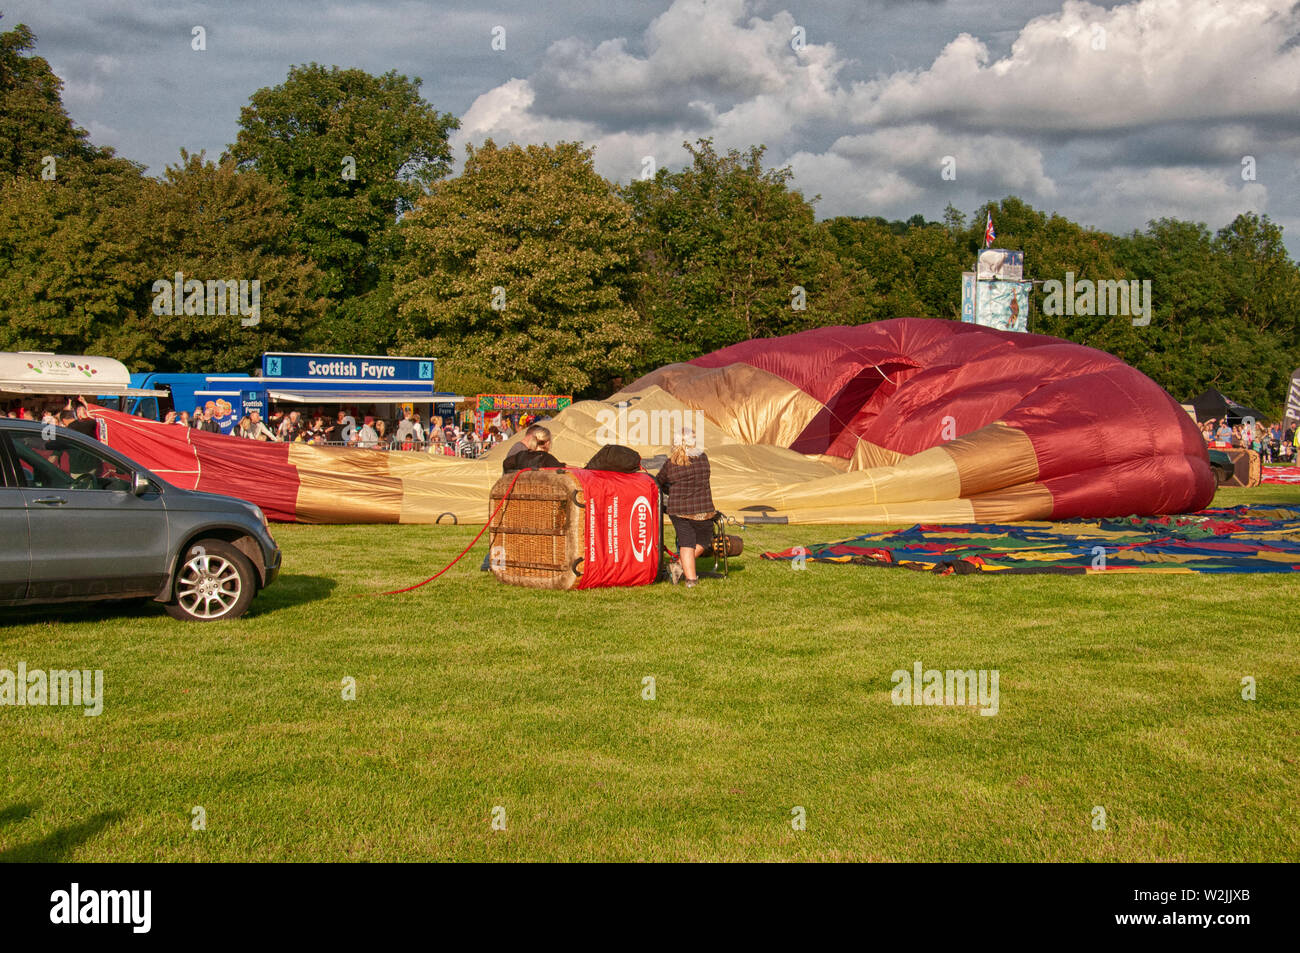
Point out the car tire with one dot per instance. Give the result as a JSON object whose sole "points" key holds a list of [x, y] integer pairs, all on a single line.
{"points": [[214, 581]]}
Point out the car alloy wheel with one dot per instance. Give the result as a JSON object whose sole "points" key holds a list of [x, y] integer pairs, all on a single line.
{"points": [[214, 580]]}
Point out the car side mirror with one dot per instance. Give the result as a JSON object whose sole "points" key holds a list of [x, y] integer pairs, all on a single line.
{"points": [[142, 485]]}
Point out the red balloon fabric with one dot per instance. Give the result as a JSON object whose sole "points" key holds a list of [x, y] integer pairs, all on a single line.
{"points": [[1103, 438]]}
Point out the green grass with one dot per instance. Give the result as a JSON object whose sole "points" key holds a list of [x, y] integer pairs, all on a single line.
{"points": [[773, 691]]}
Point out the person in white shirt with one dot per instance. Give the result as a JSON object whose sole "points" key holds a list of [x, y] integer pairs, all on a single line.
{"points": [[257, 429], [405, 429], [367, 436]]}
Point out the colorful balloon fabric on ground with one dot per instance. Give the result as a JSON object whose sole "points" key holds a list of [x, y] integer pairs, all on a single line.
{"points": [[1236, 540]]}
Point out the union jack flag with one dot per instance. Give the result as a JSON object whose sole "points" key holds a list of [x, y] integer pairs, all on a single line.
{"points": [[989, 234]]}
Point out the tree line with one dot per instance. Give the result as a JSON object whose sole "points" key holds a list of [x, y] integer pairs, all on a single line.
{"points": [[530, 271]]}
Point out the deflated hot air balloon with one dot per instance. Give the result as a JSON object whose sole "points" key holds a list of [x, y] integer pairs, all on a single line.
{"points": [[895, 422], [943, 421]]}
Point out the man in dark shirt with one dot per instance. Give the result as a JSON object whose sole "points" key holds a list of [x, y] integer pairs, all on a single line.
{"points": [[83, 422]]}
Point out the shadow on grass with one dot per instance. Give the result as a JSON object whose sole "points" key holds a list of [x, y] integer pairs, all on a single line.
{"points": [[56, 846], [287, 591], [16, 812], [103, 609], [292, 590]]}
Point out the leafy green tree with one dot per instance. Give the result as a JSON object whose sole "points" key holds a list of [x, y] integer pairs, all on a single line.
{"points": [[729, 252], [872, 253], [463, 374], [1054, 246], [521, 265], [937, 263], [70, 234], [1189, 339], [1262, 298], [33, 122], [209, 221], [354, 152], [75, 262]]}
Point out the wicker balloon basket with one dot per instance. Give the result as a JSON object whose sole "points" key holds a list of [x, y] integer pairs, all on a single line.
{"points": [[536, 538]]}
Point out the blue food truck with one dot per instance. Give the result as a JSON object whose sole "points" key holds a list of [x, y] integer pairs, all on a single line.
{"points": [[359, 384]]}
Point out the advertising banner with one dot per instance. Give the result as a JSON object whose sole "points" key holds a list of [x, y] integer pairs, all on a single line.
{"points": [[510, 403], [1293, 398], [622, 529], [1000, 263], [1003, 305]]}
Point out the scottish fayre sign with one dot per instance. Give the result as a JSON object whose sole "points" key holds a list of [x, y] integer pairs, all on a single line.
{"points": [[349, 368]]}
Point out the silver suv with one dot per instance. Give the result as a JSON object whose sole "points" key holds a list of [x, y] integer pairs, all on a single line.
{"points": [[78, 521]]}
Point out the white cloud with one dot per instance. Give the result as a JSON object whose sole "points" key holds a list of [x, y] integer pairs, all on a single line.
{"points": [[1153, 123], [895, 170], [1127, 198], [1089, 68]]}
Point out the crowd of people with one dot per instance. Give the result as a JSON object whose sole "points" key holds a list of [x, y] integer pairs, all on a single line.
{"points": [[342, 429], [1274, 443], [73, 414]]}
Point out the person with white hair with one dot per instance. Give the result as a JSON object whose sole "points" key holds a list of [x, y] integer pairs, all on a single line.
{"points": [[685, 477]]}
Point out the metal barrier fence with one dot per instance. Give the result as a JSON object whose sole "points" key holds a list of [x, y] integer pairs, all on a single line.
{"points": [[406, 446]]}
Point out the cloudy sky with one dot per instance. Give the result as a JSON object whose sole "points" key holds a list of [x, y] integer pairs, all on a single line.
{"points": [[1112, 114]]}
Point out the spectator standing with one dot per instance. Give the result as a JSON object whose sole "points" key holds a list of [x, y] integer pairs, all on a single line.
{"points": [[347, 428], [366, 436], [83, 423], [259, 430], [685, 477], [289, 427], [405, 433]]}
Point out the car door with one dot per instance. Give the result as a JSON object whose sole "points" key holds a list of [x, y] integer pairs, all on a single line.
{"points": [[90, 534], [15, 542]]}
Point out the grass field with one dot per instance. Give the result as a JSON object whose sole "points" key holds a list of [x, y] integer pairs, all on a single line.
{"points": [[772, 692]]}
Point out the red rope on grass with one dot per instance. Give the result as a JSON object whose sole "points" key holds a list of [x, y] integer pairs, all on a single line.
{"points": [[474, 541]]}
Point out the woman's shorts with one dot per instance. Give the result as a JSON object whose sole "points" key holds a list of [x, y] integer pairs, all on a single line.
{"points": [[692, 533]]}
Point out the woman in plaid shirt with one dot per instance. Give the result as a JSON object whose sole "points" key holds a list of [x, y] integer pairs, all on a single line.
{"points": [[685, 478]]}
